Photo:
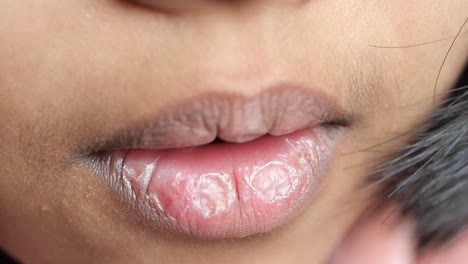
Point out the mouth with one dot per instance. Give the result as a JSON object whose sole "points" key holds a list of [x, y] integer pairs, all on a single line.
{"points": [[225, 166]]}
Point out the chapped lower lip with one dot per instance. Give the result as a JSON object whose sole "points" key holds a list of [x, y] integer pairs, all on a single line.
{"points": [[224, 190]]}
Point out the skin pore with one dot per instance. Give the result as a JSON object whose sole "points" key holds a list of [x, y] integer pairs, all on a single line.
{"points": [[75, 71]]}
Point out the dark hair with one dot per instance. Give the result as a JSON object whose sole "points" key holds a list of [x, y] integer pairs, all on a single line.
{"points": [[428, 178]]}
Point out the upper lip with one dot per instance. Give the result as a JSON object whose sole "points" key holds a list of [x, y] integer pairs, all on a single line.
{"points": [[277, 110]]}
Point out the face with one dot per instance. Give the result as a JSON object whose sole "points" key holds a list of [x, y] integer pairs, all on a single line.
{"points": [[88, 85]]}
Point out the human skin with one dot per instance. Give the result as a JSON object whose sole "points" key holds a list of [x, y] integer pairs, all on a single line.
{"points": [[71, 71], [388, 238]]}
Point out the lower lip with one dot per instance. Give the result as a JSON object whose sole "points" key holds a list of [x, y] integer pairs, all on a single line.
{"points": [[224, 190]]}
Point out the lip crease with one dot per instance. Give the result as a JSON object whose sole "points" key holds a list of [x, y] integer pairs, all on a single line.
{"points": [[276, 150]]}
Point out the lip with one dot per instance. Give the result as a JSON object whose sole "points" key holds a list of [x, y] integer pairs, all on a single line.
{"points": [[276, 151], [279, 110]]}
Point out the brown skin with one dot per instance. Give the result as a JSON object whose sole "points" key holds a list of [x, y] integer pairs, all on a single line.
{"points": [[72, 71]]}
